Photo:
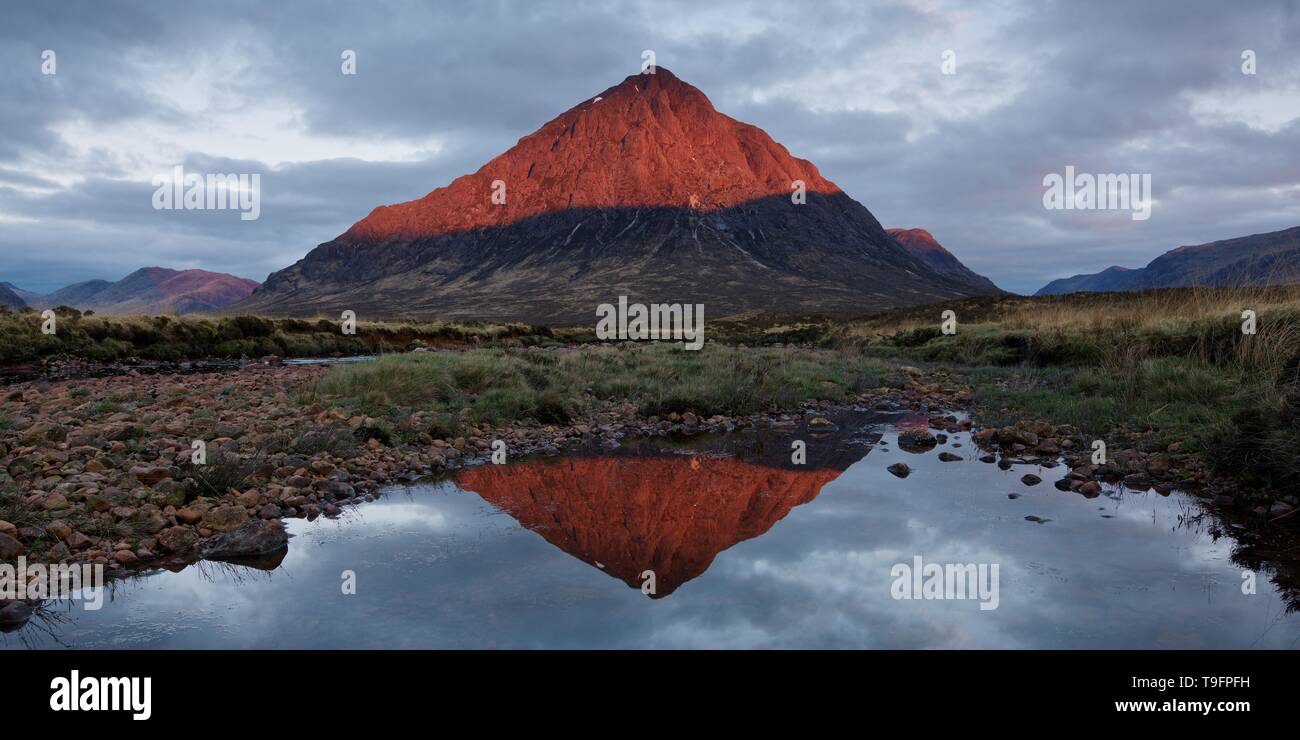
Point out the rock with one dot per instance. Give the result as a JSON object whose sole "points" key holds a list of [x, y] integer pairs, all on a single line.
{"points": [[949, 457], [1063, 484], [821, 424], [58, 529], [125, 557], [55, 502], [1040, 428], [224, 518], [10, 548], [14, 613], [150, 475], [1013, 495], [988, 458], [336, 489], [178, 539], [7, 528], [1038, 519], [189, 515], [77, 541], [916, 440], [256, 537], [270, 511], [900, 469], [1030, 479], [1158, 466], [43, 431], [122, 432], [1091, 489], [1008, 436]]}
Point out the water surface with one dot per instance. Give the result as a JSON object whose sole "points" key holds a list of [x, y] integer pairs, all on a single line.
{"points": [[748, 550]]}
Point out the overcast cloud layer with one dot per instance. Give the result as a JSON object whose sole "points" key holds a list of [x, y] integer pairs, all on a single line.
{"points": [[234, 87]]}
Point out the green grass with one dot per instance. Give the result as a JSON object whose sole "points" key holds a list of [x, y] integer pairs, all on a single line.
{"points": [[1237, 421], [106, 406], [15, 510], [497, 385]]}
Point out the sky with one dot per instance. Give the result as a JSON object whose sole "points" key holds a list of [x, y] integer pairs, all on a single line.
{"points": [[860, 89]]}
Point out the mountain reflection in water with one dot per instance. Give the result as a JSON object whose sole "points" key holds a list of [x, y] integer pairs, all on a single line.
{"points": [[646, 510]]}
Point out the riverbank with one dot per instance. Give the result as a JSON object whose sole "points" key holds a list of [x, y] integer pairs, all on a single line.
{"points": [[102, 470]]}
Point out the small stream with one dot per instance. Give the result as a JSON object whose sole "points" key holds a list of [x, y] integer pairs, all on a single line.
{"points": [[747, 550]]}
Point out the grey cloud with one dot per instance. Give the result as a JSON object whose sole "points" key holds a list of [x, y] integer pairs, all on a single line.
{"points": [[1106, 87]]}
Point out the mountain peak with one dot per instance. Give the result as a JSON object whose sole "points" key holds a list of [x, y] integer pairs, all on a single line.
{"points": [[916, 240], [651, 141], [644, 190]]}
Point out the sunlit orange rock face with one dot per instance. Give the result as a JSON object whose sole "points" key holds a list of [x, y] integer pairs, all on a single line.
{"points": [[644, 190], [651, 140], [916, 240], [670, 514]]}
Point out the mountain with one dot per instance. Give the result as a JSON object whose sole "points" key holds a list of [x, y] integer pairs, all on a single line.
{"points": [[151, 290], [10, 298], [77, 295], [644, 190], [923, 245], [1260, 259]]}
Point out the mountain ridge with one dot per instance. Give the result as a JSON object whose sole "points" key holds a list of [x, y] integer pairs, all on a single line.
{"points": [[1268, 258], [149, 290], [644, 190], [923, 245]]}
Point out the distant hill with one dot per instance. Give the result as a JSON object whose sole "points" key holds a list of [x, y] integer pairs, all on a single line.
{"points": [[1260, 259], [151, 290], [9, 298]]}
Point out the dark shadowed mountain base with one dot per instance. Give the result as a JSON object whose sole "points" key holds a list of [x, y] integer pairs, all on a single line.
{"points": [[829, 254]]}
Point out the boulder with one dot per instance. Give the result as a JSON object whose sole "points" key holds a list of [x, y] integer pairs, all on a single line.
{"points": [[224, 518], [178, 539], [916, 440], [10, 548], [255, 537]]}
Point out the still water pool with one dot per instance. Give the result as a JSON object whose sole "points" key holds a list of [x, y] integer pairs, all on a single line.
{"points": [[746, 549]]}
